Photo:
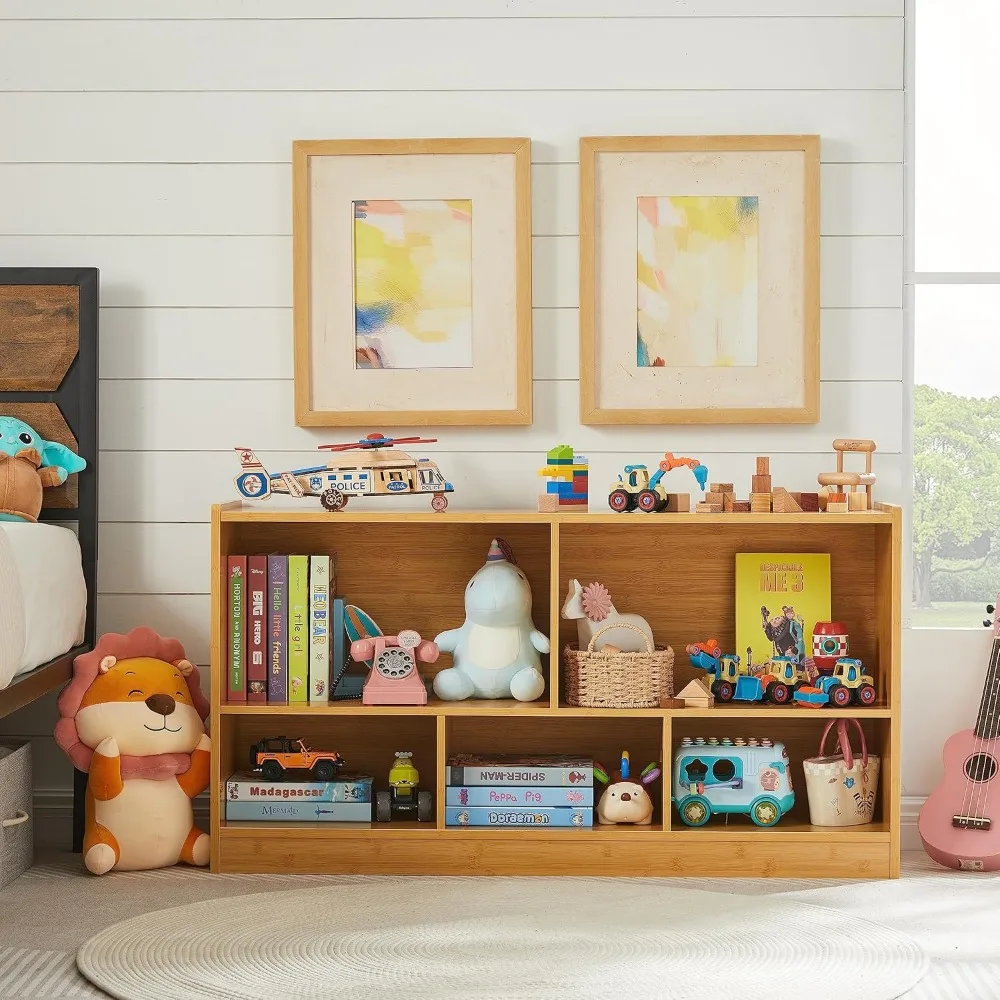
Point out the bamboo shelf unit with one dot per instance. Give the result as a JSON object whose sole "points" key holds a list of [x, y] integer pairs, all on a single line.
{"points": [[409, 570]]}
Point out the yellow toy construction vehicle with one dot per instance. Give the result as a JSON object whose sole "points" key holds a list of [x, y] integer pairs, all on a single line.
{"points": [[404, 794], [635, 487]]}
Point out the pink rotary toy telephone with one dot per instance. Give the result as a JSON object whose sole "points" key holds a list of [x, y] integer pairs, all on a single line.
{"points": [[394, 678]]}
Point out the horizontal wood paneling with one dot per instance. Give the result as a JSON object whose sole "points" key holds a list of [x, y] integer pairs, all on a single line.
{"points": [[218, 415], [252, 199], [132, 481], [454, 54], [855, 126], [323, 9], [863, 271], [862, 344]]}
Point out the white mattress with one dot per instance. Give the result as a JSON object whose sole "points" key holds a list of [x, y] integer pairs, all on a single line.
{"points": [[43, 597]]}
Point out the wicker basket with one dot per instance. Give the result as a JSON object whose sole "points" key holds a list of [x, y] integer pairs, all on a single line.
{"points": [[600, 679]]}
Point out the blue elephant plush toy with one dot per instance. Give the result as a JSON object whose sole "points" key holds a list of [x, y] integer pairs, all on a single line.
{"points": [[28, 463]]}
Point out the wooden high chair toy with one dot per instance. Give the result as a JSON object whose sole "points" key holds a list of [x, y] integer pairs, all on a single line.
{"points": [[849, 485]]}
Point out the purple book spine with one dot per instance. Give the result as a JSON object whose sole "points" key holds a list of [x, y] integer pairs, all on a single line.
{"points": [[277, 628]]}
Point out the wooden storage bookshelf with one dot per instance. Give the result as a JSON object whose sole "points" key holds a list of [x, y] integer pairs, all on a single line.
{"points": [[409, 570]]}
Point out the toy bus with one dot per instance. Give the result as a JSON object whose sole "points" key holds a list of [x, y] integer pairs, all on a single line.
{"points": [[749, 777]]}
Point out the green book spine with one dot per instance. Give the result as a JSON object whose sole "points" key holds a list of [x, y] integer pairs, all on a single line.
{"points": [[237, 638], [319, 628], [298, 628]]}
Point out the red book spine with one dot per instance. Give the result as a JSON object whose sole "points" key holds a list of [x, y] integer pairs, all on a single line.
{"points": [[237, 690], [257, 628]]}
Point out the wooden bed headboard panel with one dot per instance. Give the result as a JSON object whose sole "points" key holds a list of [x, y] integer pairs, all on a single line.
{"points": [[49, 379]]}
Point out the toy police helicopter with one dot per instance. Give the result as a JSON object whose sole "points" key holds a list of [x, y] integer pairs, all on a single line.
{"points": [[386, 472]]}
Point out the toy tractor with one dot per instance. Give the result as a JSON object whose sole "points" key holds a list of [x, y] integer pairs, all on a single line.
{"points": [[848, 684], [404, 796], [275, 755], [635, 487], [731, 681]]}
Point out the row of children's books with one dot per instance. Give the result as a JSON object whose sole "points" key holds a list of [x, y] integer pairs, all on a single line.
{"points": [[286, 629], [346, 799], [518, 791]]}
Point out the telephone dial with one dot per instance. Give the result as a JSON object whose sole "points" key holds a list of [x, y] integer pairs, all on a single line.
{"points": [[394, 678]]}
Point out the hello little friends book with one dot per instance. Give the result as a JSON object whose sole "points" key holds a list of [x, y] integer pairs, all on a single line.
{"points": [[779, 598]]}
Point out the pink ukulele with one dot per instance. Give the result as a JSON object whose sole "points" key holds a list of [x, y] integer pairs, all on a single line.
{"points": [[956, 822]]}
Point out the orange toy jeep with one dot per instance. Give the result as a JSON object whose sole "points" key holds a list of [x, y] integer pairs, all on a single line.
{"points": [[277, 754]]}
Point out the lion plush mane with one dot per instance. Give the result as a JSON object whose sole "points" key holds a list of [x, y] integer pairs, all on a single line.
{"points": [[140, 641]]}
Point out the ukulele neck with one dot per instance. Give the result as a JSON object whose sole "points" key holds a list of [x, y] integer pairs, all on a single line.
{"points": [[988, 722]]}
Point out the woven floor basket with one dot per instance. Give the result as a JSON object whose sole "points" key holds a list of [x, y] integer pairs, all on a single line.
{"points": [[600, 679]]}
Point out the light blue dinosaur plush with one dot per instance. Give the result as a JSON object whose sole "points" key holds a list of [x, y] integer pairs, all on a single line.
{"points": [[495, 653], [27, 464]]}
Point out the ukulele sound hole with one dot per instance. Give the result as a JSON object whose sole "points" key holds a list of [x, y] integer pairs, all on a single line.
{"points": [[981, 767]]}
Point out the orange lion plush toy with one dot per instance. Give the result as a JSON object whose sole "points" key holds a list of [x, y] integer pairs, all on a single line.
{"points": [[133, 717]]}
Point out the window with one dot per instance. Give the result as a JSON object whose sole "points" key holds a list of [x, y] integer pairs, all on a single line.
{"points": [[956, 303]]}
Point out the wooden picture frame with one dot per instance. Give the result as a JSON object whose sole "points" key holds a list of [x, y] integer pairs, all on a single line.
{"points": [[368, 349], [641, 192]]}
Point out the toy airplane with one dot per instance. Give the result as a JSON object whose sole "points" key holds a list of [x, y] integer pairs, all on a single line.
{"points": [[384, 473]]}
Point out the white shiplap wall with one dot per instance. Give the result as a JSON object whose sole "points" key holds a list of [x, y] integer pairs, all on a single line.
{"points": [[153, 140]]}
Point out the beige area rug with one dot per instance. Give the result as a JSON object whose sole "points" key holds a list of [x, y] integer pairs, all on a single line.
{"points": [[441, 938]]}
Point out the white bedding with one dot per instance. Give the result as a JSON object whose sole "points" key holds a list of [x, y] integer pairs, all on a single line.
{"points": [[43, 597]]}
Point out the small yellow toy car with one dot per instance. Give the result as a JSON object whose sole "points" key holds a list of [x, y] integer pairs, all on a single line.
{"points": [[404, 794]]}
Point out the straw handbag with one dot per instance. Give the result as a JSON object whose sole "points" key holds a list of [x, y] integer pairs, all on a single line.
{"points": [[841, 787], [603, 679]]}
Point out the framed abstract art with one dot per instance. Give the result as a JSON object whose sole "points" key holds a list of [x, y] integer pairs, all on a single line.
{"points": [[699, 280], [412, 282]]}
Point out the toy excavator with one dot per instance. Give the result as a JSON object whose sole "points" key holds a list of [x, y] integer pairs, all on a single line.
{"points": [[635, 487]]}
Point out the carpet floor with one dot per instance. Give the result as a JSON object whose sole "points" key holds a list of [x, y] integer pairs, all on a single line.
{"points": [[53, 908]]}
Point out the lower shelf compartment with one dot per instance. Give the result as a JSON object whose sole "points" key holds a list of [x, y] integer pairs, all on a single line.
{"points": [[636, 851]]}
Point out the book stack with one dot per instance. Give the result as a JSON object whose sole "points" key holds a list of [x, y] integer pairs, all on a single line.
{"points": [[519, 791], [346, 799], [286, 629]]}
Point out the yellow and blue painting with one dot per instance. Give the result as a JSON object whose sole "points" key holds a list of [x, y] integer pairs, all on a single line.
{"points": [[697, 281], [413, 284]]}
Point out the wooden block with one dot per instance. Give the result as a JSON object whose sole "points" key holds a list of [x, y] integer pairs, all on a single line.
{"points": [[760, 484], [760, 503], [721, 488], [708, 508], [836, 497], [741, 506], [548, 503], [796, 495], [713, 497], [669, 702], [809, 502], [836, 507], [782, 502], [857, 500], [727, 502], [763, 466], [678, 503]]}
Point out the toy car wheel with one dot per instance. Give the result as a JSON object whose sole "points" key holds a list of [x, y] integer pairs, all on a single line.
{"points": [[620, 501], [425, 807], [840, 696], [765, 811], [272, 770], [439, 502], [323, 770], [332, 499], [723, 690], [383, 807], [779, 693], [647, 501], [866, 695], [695, 811]]}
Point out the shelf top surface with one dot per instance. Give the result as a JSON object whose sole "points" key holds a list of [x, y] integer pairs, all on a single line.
{"points": [[306, 512]]}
